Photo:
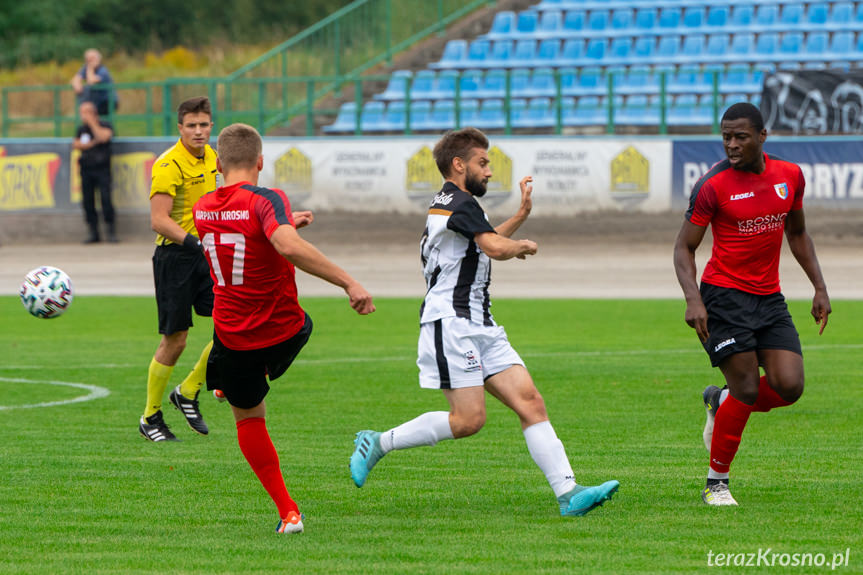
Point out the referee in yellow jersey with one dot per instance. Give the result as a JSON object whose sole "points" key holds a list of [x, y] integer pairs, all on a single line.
{"points": [[181, 175]]}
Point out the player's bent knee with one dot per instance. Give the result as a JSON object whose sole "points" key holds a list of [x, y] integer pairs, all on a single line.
{"points": [[464, 426]]}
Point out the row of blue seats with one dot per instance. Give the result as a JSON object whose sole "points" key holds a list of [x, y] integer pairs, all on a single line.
{"points": [[640, 110], [427, 85], [615, 4], [604, 22], [695, 49]]}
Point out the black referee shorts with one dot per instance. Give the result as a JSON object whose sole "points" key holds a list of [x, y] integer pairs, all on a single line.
{"points": [[739, 321], [182, 278], [242, 375]]}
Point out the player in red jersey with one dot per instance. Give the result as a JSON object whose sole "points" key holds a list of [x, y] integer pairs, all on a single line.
{"points": [[252, 245], [739, 313]]}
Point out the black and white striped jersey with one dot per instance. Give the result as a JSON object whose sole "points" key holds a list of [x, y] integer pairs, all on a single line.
{"points": [[457, 272]]}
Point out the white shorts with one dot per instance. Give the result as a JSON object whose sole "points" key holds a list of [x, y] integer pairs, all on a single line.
{"points": [[454, 352]]}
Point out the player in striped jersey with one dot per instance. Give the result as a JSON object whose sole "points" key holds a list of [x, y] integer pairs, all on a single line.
{"points": [[462, 351]]}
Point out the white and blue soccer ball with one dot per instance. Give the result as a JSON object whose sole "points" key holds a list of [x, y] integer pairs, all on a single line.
{"points": [[46, 292]]}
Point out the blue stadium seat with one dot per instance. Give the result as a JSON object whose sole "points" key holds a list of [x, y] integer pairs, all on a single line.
{"points": [[742, 80], [573, 21], [471, 83], [637, 80], [767, 44], [493, 85], [468, 112], [686, 111], [517, 112], [792, 43], [717, 17], [591, 81], [817, 13], [454, 54], [717, 44], [346, 119], [372, 119], [527, 22], [421, 116], [670, 17], [858, 14], [491, 115], [842, 44], [668, 48], [817, 43], [689, 81], [792, 14], [539, 113], [644, 48], [638, 110], [693, 49], [503, 25], [573, 51], [550, 23], [396, 86], [445, 85], [423, 85], [620, 49], [548, 52], [569, 82], [766, 17], [622, 19], [519, 83], [742, 45], [841, 15], [443, 115], [479, 52], [598, 20], [501, 53], [694, 17], [524, 53], [742, 15], [588, 111], [542, 83], [645, 18], [595, 49]]}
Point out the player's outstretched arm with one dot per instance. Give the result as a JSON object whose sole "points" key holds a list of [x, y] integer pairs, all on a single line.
{"points": [[498, 247], [687, 242], [803, 248], [308, 258], [509, 227]]}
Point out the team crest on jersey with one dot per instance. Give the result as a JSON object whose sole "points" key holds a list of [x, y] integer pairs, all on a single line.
{"points": [[781, 190]]}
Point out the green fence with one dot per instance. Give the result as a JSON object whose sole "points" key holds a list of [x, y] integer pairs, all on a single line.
{"points": [[148, 109]]}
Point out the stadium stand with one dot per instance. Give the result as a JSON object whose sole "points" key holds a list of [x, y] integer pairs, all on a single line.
{"points": [[690, 59]]}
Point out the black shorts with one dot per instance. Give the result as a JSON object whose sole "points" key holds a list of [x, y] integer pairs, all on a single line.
{"points": [[242, 375], [182, 278], [739, 321]]}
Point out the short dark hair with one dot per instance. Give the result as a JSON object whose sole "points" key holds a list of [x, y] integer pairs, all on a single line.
{"points": [[199, 105], [457, 144], [745, 110], [239, 146]]}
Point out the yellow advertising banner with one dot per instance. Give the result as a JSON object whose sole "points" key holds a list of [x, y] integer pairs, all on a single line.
{"points": [[27, 181]]}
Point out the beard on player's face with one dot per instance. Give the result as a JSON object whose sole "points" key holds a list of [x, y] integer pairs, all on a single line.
{"points": [[475, 184]]}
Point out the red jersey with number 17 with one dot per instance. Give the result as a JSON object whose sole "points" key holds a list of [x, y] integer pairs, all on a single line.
{"points": [[255, 290], [747, 213]]}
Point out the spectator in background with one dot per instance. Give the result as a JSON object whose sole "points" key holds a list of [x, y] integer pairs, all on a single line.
{"points": [[93, 139], [93, 83]]}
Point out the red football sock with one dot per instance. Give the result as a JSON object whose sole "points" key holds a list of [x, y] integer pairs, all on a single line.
{"points": [[728, 427], [257, 447], [767, 397]]}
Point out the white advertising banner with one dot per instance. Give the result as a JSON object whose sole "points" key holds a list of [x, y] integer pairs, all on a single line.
{"points": [[400, 175]]}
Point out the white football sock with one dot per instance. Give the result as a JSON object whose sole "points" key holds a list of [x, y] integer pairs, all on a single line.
{"points": [[427, 429], [716, 475], [548, 453], [723, 394]]}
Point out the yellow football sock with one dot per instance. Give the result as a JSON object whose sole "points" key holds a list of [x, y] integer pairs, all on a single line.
{"points": [[157, 381], [196, 378]]}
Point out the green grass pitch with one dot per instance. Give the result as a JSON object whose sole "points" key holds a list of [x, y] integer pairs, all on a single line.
{"points": [[82, 492]]}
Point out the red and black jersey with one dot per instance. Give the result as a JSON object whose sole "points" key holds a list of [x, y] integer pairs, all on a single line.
{"points": [[254, 286], [747, 214]]}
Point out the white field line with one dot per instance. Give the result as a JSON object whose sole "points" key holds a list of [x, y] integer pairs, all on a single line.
{"points": [[95, 392]]}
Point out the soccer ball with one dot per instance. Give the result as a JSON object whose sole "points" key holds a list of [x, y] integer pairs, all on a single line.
{"points": [[46, 292]]}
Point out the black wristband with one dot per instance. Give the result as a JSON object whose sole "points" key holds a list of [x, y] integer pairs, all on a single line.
{"points": [[192, 242]]}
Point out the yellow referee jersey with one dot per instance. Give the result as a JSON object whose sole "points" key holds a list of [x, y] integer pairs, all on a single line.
{"points": [[185, 178]]}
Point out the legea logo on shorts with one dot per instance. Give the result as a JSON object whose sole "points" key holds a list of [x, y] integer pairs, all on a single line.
{"points": [[471, 363], [722, 344]]}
